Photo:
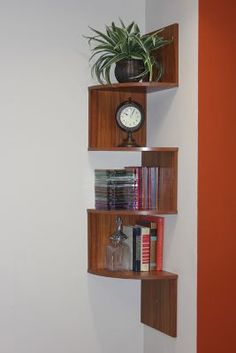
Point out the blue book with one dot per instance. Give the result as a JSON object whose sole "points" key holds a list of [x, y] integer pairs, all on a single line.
{"points": [[136, 248]]}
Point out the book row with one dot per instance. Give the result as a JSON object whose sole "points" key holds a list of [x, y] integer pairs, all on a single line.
{"points": [[133, 188], [145, 240]]}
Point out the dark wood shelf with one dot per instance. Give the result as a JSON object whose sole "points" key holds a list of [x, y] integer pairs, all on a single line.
{"points": [[165, 159], [131, 212], [144, 87], [158, 288], [158, 297], [151, 275], [134, 149], [105, 99]]}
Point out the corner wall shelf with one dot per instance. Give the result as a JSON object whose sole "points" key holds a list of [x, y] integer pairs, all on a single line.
{"points": [[158, 288]]}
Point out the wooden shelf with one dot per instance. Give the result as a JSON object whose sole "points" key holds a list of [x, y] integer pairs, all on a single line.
{"points": [[165, 158], [158, 297], [130, 212], [151, 275], [158, 288], [144, 87], [168, 56], [134, 149], [105, 99]]}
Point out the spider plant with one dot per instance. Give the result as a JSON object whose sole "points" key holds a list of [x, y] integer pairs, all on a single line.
{"points": [[124, 42]]}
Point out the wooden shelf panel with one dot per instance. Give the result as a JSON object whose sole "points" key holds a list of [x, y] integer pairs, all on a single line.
{"points": [[130, 212], [167, 55], [100, 227], [159, 305], [165, 159], [103, 129], [105, 99], [152, 275], [144, 87], [134, 149], [158, 288], [159, 297]]}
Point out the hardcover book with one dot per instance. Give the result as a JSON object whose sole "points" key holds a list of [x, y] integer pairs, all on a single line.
{"points": [[159, 240], [153, 240]]}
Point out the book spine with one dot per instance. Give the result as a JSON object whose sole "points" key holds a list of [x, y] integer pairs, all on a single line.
{"points": [[153, 244], [136, 248], [156, 224], [153, 203], [139, 188], [145, 249]]}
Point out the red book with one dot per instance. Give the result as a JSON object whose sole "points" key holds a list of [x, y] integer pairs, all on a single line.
{"points": [[160, 239], [145, 249], [153, 239]]}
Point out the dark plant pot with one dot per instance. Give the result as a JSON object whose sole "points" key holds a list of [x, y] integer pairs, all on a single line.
{"points": [[127, 69]]}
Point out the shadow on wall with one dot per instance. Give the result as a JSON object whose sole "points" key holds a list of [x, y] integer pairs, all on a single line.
{"points": [[115, 314], [158, 114]]}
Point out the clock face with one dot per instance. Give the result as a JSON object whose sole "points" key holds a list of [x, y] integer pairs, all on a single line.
{"points": [[129, 116]]}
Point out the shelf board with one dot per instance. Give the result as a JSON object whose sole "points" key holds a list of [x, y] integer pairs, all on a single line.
{"points": [[130, 212], [150, 275], [144, 87], [134, 149]]}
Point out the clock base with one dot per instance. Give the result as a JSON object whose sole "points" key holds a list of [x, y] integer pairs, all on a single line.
{"points": [[129, 141]]}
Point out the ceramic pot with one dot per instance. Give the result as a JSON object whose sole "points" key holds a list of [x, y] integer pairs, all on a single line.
{"points": [[127, 69]]}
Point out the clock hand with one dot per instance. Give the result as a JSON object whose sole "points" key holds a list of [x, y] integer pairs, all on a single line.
{"points": [[132, 113]]}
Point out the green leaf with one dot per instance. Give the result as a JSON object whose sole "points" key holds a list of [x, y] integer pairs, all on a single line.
{"points": [[122, 23], [129, 27], [136, 29], [115, 59], [104, 36]]}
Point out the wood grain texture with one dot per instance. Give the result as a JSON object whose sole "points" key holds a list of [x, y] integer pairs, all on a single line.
{"points": [[103, 129], [159, 305], [100, 228], [159, 288], [168, 55], [135, 149], [151, 275], [158, 298], [105, 99], [131, 212], [144, 87], [166, 161]]}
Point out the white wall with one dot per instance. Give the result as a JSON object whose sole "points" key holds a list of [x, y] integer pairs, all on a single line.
{"points": [[48, 303], [173, 122]]}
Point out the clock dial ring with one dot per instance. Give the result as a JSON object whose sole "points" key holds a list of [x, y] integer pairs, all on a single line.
{"points": [[130, 116]]}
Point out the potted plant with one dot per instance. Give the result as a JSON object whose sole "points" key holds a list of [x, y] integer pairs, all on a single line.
{"points": [[128, 49]]}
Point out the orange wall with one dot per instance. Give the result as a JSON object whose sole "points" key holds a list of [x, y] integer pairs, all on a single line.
{"points": [[217, 178]]}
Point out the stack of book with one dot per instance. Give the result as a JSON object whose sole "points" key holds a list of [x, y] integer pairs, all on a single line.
{"points": [[145, 240], [133, 188], [114, 189]]}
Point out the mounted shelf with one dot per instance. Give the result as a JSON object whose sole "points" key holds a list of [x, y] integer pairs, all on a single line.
{"points": [[104, 99], [144, 87], [144, 276], [134, 149], [165, 158], [158, 288]]}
